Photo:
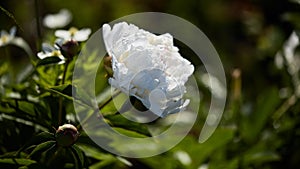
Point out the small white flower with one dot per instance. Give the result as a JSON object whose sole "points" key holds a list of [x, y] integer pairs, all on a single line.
{"points": [[59, 20], [74, 34], [49, 51], [147, 67], [6, 38]]}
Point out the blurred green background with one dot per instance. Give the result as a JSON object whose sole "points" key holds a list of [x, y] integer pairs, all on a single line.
{"points": [[261, 124]]}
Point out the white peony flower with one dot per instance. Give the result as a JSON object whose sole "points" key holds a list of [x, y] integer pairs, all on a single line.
{"points": [[49, 51], [147, 67], [74, 34], [59, 20], [6, 38]]}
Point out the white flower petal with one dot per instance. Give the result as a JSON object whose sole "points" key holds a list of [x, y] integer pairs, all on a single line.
{"points": [[3, 32], [50, 51], [13, 31], [58, 20], [42, 55], [47, 48], [6, 38], [82, 35], [63, 34], [74, 34], [148, 67]]}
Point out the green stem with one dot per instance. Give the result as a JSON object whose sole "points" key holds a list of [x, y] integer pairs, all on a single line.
{"points": [[11, 16], [100, 106], [10, 60], [38, 25], [284, 107], [65, 72], [60, 108]]}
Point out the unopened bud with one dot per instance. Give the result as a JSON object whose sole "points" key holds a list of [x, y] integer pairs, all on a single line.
{"points": [[66, 135], [69, 48], [108, 65]]}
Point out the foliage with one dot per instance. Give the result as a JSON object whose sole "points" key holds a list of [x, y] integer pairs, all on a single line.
{"points": [[260, 125]]}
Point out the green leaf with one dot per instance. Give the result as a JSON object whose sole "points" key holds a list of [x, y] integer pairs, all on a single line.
{"points": [[39, 149], [124, 161], [64, 89], [6, 109], [26, 107], [228, 164], [4, 67], [261, 157], [119, 121], [252, 124], [220, 138], [59, 90], [261, 152], [66, 92], [94, 152], [78, 154], [129, 133], [48, 60], [38, 139], [17, 161], [76, 159]]}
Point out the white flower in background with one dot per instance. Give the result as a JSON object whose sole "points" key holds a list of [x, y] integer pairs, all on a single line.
{"points": [[49, 51], [6, 38], [74, 34], [147, 67], [59, 20]]}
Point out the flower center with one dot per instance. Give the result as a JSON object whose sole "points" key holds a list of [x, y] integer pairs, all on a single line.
{"points": [[72, 31], [4, 38], [56, 53]]}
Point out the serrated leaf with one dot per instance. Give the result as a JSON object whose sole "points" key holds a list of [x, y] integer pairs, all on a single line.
{"points": [[48, 60]]}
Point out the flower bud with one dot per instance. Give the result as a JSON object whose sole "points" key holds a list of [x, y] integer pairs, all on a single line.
{"points": [[66, 135], [69, 48], [108, 65]]}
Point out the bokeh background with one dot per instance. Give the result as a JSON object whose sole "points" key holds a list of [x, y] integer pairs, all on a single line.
{"points": [[261, 124]]}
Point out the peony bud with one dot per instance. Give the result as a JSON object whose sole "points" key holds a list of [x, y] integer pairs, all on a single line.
{"points": [[66, 135], [69, 48], [108, 65]]}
